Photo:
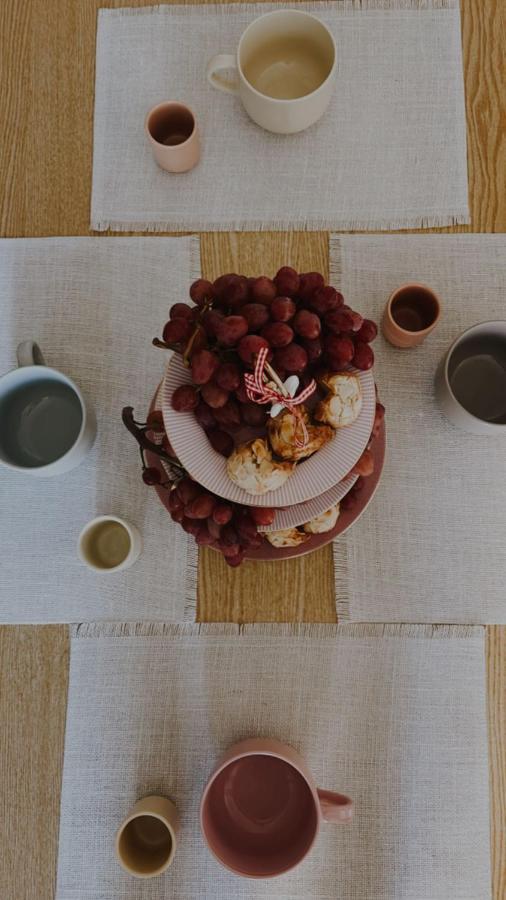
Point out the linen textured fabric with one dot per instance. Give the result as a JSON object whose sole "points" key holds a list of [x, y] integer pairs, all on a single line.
{"points": [[394, 716], [389, 153], [431, 547], [93, 305]]}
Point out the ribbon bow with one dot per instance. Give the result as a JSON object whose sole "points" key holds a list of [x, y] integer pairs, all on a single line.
{"points": [[259, 391]]}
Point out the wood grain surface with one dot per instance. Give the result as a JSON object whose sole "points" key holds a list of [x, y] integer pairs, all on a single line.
{"points": [[47, 59]]}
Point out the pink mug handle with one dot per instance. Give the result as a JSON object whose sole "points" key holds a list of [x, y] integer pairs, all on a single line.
{"points": [[335, 808]]}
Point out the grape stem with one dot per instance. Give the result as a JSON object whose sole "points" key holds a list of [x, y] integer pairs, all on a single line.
{"points": [[186, 355], [127, 416]]}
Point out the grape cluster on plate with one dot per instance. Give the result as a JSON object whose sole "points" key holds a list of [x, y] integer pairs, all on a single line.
{"points": [[303, 323]]}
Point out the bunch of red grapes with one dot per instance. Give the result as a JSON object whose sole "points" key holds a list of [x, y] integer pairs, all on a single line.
{"points": [[304, 324]]}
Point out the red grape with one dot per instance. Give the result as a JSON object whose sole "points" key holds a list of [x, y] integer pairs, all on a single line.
{"points": [[229, 550], [253, 414], [325, 299], [365, 465], [313, 349], [359, 485], [204, 365], [235, 560], [201, 507], [177, 331], [262, 290], [177, 515], [204, 415], [154, 420], [262, 515], [340, 347], [222, 513], [287, 282], [368, 331], [231, 329], [199, 341], [363, 357], [246, 528], [349, 501], [339, 320], [174, 501], [228, 376], [211, 320], [292, 358], [214, 528], [191, 526], [201, 291], [214, 395], [182, 311], [278, 334], [310, 282], [256, 315], [231, 289], [307, 324], [229, 536], [220, 441], [357, 320], [204, 537], [185, 398], [241, 393], [282, 309], [187, 490], [151, 476], [378, 418], [249, 346], [229, 415]]}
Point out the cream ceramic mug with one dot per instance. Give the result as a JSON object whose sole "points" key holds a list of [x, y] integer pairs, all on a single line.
{"points": [[285, 69], [146, 840]]}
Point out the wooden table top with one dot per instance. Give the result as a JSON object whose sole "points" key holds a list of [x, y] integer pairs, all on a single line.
{"points": [[47, 58]]}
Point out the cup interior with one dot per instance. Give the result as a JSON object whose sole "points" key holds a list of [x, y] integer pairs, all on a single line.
{"points": [[105, 544], [286, 55], [259, 816], [477, 373], [41, 417], [171, 124], [414, 308], [145, 845]]}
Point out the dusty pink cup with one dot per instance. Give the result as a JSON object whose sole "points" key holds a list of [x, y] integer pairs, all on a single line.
{"points": [[261, 811], [173, 135], [411, 313]]}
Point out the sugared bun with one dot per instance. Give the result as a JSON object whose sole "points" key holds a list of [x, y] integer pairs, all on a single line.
{"points": [[343, 402]]}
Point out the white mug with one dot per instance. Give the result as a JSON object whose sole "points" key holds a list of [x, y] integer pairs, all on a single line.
{"points": [[46, 427], [471, 380], [285, 70]]}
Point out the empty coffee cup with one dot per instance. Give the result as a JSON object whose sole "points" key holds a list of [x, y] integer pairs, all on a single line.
{"points": [[261, 811], [411, 313], [471, 380], [46, 427], [146, 840], [285, 68], [109, 544], [173, 135]]}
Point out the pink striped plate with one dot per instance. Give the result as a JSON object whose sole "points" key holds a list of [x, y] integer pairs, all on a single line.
{"points": [[312, 477]]}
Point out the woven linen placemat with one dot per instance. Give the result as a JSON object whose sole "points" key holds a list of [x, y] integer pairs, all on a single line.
{"points": [[393, 715], [389, 153], [431, 547], [93, 305]]}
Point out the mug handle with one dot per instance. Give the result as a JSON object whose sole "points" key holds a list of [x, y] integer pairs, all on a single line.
{"points": [[216, 65], [30, 354], [335, 808]]}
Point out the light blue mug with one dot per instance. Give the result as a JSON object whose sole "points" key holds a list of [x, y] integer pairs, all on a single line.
{"points": [[46, 426]]}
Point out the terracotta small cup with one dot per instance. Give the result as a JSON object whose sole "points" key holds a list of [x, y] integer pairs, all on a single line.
{"points": [[471, 380], [146, 840], [173, 135], [261, 811], [411, 313]]}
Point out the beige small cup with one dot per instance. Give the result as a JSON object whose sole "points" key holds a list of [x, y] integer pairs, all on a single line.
{"points": [[146, 840], [109, 544], [173, 135], [411, 313]]}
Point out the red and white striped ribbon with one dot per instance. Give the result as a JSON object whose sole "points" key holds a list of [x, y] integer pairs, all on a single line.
{"points": [[259, 392]]}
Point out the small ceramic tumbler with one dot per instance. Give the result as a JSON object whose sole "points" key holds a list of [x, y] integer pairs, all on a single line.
{"points": [[411, 313], [174, 137], [146, 840], [109, 544], [261, 811]]}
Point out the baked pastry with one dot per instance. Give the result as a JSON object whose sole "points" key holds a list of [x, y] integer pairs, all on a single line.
{"points": [[324, 522], [343, 402], [252, 468], [284, 428], [288, 537]]}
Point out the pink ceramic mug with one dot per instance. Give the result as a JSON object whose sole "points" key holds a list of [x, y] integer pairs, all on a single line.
{"points": [[261, 811]]}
